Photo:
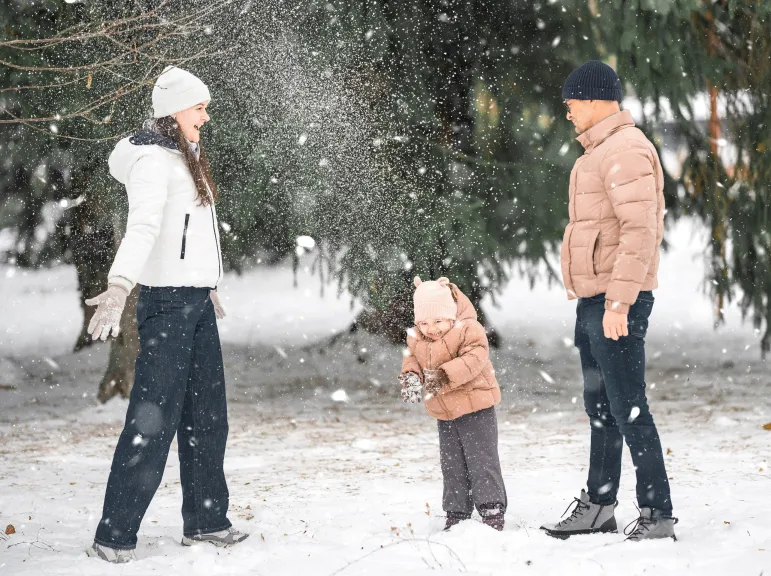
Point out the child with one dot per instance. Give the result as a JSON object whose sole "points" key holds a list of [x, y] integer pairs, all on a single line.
{"points": [[448, 355]]}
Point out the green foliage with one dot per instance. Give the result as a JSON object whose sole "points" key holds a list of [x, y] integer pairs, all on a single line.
{"points": [[420, 136], [676, 54], [82, 93], [469, 152]]}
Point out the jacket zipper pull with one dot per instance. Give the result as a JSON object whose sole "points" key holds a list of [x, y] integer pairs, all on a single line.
{"points": [[184, 237]]}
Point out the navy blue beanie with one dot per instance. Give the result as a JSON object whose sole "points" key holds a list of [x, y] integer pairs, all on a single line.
{"points": [[593, 81]]}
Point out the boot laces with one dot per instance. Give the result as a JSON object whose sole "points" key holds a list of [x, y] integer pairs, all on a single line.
{"points": [[578, 511], [639, 526]]}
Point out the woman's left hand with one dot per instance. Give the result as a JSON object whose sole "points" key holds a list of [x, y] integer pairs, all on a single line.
{"points": [[219, 309]]}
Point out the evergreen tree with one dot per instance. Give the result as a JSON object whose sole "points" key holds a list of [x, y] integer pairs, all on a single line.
{"points": [[465, 143], [674, 52], [76, 77]]}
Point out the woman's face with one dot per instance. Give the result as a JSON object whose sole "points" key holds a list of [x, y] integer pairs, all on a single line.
{"points": [[191, 119], [435, 328]]}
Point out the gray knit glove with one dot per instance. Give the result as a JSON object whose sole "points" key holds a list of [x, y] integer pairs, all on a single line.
{"points": [[434, 380], [106, 319], [412, 388]]}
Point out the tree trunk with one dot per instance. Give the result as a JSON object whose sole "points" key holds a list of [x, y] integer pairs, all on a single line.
{"points": [[92, 245], [95, 237], [393, 321], [454, 54], [119, 377], [92, 254]]}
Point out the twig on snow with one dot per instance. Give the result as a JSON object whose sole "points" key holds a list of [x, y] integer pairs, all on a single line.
{"points": [[403, 541], [38, 543]]}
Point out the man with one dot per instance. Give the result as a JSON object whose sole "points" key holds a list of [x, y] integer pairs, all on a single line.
{"points": [[610, 256]]}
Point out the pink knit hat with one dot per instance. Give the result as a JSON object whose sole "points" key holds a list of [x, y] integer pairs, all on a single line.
{"points": [[433, 299]]}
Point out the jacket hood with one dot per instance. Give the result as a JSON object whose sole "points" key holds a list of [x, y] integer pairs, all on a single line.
{"points": [[466, 309], [134, 147], [147, 137]]}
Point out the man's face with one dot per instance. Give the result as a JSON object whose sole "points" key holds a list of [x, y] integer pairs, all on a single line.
{"points": [[581, 114]]}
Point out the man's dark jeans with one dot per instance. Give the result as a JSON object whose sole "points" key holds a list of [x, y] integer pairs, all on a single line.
{"points": [[614, 398], [179, 389]]}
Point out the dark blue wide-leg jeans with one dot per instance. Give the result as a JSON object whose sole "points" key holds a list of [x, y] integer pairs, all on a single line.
{"points": [[179, 389]]}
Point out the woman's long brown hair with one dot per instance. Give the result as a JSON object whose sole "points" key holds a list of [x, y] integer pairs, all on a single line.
{"points": [[199, 167]]}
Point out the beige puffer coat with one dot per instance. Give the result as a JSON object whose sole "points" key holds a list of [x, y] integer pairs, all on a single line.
{"points": [[463, 354], [611, 244]]}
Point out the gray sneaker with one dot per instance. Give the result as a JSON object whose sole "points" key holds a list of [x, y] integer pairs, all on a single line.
{"points": [[586, 518], [113, 555], [649, 526], [223, 538]]}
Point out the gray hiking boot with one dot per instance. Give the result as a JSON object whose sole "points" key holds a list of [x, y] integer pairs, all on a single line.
{"points": [[221, 539], [650, 526], [586, 518], [113, 555]]}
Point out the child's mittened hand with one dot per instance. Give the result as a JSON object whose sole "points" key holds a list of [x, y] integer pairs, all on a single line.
{"points": [[412, 389], [434, 380]]}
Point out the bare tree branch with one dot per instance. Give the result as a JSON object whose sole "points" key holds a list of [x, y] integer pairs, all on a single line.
{"points": [[127, 66], [42, 86], [105, 29]]}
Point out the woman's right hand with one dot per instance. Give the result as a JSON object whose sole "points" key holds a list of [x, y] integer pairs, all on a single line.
{"points": [[106, 319]]}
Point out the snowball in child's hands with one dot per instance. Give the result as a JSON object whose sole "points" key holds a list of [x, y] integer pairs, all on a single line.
{"points": [[412, 389]]}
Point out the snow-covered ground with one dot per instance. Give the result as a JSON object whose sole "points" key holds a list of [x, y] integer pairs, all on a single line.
{"points": [[354, 487]]}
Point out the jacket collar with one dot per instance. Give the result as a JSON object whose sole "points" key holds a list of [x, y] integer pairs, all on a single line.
{"points": [[149, 137], [605, 128]]}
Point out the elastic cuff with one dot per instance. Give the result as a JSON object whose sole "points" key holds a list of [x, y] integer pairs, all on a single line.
{"points": [[616, 306], [492, 510], [124, 283], [459, 515]]}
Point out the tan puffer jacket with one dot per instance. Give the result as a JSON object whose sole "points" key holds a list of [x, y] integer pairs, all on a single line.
{"points": [[463, 354], [616, 207]]}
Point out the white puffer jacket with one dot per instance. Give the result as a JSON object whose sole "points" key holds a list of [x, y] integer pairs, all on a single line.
{"points": [[171, 239]]}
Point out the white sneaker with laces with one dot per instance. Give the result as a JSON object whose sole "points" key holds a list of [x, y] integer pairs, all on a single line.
{"points": [[112, 555], [223, 538]]}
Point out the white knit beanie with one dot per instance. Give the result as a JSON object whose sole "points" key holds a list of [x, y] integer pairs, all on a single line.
{"points": [[433, 299], [176, 90]]}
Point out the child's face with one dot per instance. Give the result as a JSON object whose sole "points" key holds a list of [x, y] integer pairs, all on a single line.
{"points": [[435, 328]]}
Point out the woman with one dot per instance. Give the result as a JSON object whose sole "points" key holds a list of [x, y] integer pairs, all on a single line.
{"points": [[171, 248]]}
